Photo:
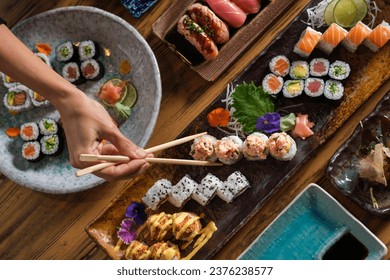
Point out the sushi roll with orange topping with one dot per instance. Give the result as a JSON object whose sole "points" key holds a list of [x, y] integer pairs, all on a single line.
{"points": [[203, 148], [186, 226], [158, 226], [279, 65], [378, 37], [256, 146], [307, 42], [137, 251], [272, 83], [331, 38], [164, 251], [229, 149], [282, 146], [356, 36]]}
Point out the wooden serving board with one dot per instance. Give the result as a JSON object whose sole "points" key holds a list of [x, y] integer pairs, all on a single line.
{"points": [[369, 71]]}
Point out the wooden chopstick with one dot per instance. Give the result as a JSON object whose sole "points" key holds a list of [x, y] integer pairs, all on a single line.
{"points": [[93, 157], [183, 162], [167, 145]]}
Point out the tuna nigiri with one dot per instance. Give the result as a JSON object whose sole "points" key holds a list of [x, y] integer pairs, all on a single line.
{"points": [[356, 36], [307, 42], [228, 11], [248, 6], [331, 38], [378, 37]]}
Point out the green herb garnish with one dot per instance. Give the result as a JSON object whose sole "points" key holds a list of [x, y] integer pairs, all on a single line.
{"points": [[123, 110]]}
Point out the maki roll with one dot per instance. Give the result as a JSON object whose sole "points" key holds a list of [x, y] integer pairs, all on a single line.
{"points": [[66, 52], [299, 70], [29, 131], [182, 191], [339, 70], [314, 87], [44, 58], [48, 126], [92, 69], [279, 65], [319, 67], [31, 151], [186, 226], [157, 227], [233, 186], [38, 100], [8, 81], [137, 251], [87, 50], [334, 90], [18, 99], [157, 194], [272, 83], [256, 146], [229, 150], [51, 145], [164, 251], [282, 146], [293, 88], [203, 148], [207, 189], [71, 73], [356, 36]]}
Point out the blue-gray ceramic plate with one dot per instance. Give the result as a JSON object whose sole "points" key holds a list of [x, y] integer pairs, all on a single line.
{"points": [[119, 42], [315, 226]]}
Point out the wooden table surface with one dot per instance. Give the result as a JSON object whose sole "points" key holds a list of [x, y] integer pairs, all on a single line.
{"points": [[36, 225]]}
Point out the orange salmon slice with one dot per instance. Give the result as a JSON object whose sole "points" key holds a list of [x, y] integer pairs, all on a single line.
{"points": [[281, 66], [309, 40], [273, 83], [380, 35], [334, 34], [358, 33]]}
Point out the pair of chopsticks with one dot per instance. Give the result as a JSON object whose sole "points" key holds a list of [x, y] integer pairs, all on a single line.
{"points": [[111, 160]]}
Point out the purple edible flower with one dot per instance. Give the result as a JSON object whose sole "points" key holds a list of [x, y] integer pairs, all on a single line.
{"points": [[268, 123], [126, 234], [136, 211]]}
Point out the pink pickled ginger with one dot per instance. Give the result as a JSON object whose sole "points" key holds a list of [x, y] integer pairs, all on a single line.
{"points": [[302, 126]]}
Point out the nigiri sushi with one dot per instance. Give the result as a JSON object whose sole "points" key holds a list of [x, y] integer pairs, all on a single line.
{"points": [[228, 11], [356, 36], [307, 42], [255, 146], [282, 146], [279, 65], [229, 149], [378, 37], [248, 6], [331, 38]]}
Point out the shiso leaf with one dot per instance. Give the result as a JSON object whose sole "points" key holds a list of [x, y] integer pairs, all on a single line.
{"points": [[251, 102]]}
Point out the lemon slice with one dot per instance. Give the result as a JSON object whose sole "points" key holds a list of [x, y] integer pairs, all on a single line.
{"points": [[328, 14], [131, 96], [348, 12]]}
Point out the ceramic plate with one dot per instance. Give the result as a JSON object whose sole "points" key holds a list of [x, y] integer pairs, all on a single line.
{"points": [[120, 41], [315, 226], [344, 165]]}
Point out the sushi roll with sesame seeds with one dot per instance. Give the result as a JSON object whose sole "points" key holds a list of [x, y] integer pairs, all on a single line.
{"points": [[29, 131], [31, 151], [157, 194], [272, 84], [18, 99], [282, 146], [299, 70], [71, 72], [334, 90], [182, 191], [314, 87], [256, 146], [92, 69], [339, 70], [203, 148], [88, 49], [207, 189], [66, 52], [233, 186], [229, 149], [279, 65], [319, 67], [293, 88]]}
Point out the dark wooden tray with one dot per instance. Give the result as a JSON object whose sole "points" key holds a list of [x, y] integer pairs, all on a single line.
{"points": [[369, 71]]}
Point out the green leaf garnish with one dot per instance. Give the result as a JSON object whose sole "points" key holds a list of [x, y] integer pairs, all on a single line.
{"points": [[123, 110], [250, 103]]}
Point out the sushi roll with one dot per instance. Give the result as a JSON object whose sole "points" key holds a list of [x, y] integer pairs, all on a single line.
{"points": [[334, 90], [379, 36], [29, 131], [307, 42], [207, 189], [158, 227], [339, 70], [137, 250], [331, 38], [51, 145], [87, 50], [164, 251], [66, 52], [71, 72], [299, 70], [272, 84], [293, 88], [356, 36], [229, 149], [31, 151], [319, 67], [279, 65], [157, 194], [8, 81], [182, 191], [44, 58], [256, 146], [38, 100], [18, 99], [203, 148], [186, 226], [92, 69], [314, 87], [282, 146], [48, 126], [233, 186]]}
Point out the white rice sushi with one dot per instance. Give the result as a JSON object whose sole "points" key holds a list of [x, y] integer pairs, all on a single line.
{"points": [[314, 87], [334, 90], [378, 37], [8, 81], [44, 58], [38, 100], [31, 151], [18, 99], [29, 131], [319, 67], [339, 70], [229, 150], [203, 148], [233, 186], [207, 189], [356, 36], [282, 146], [272, 84], [157, 194], [182, 191], [279, 65], [256, 146], [293, 88], [299, 70]]}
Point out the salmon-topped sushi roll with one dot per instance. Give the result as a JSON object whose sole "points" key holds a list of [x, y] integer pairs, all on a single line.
{"points": [[229, 150], [279, 65], [256, 146], [356, 36], [307, 42], [378, 37], [272, 83], [331, 38], [203, 148], [282, 146]]}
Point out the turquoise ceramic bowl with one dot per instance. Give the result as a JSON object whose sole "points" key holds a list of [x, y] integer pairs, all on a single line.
{"points": [[315, 226]]}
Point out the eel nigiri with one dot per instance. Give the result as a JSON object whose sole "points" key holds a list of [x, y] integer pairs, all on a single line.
{"points": [[228, 11]]}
